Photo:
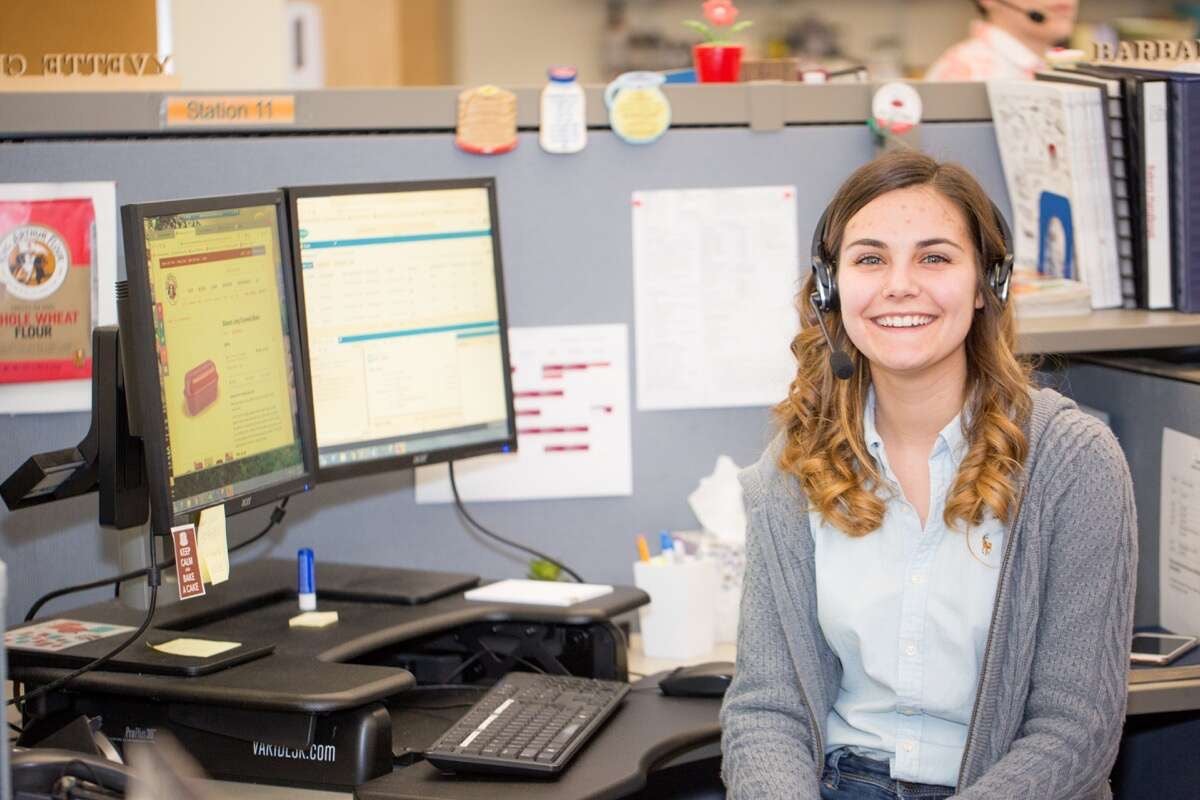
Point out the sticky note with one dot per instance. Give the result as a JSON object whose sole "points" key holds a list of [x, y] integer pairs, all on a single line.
{"points": [[313, 619], [212, 545], [194, 648]]}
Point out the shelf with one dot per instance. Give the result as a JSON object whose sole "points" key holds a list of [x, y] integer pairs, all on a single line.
{"points": [[1112, 329]]}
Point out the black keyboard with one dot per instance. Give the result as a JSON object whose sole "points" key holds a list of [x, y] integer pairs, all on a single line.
{"points": [[527, 725]]}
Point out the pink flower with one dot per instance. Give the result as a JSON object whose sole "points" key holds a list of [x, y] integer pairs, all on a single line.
{"points": [[720, 12]]}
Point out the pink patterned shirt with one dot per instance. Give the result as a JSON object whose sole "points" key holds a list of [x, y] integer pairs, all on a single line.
{"points": [[989, 53]]}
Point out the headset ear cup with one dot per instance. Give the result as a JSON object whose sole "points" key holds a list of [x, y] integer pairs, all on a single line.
{"points": [[1000, 275], [826, 288], [1002, 278]]}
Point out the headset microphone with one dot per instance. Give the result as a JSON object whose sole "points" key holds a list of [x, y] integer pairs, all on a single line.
{"points": [[839, 362], [1035, 16]]}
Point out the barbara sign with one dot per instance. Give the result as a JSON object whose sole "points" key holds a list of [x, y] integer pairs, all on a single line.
{"points": [[1148, 50]]}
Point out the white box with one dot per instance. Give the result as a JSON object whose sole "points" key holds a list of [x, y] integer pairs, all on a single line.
{"points": [[678, 622]]}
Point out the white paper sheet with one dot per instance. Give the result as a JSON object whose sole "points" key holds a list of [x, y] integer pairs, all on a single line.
{"points": [[54, 396], [571, 396], [1179, 534], [715, 274]]}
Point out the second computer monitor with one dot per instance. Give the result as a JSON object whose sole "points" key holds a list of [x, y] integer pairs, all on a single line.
{"points": [[402, 307]]}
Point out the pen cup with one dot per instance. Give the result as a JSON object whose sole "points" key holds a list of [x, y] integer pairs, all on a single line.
{"points": [[678, 622]]}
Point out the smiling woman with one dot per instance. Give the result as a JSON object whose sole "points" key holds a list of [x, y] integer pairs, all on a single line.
{"points": [[915, 242], [940, 559]]}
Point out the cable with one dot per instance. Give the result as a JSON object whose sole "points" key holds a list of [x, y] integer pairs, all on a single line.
{"points": [[276, 517], [463, 666], [538, 554], [530, 664], [97, 663]]}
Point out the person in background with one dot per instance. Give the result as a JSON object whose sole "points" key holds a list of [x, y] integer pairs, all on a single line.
{"points": [[1009, 42]]}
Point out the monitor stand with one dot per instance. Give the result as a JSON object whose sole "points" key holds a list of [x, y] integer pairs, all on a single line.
{"points": [[135, 592], [110, 460]]}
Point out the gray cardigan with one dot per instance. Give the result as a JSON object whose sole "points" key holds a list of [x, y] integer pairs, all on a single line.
{"points": [[1051, 697]]}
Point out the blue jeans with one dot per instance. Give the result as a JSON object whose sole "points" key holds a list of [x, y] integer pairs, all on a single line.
{"points": [[851, 777]]}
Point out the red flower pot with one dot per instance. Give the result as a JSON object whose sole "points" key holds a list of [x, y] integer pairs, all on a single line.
{"points": [[717, 63]]}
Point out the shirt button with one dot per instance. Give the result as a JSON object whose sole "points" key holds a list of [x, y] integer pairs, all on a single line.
{"points": [[910, 650], [918, 578], [907, 746]]}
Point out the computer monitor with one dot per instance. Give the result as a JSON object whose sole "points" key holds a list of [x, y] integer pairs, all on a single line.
{"points": [[215, 358], [402, 307]]}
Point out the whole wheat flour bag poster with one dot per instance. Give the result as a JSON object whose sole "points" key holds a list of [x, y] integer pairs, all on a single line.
{"points": [[47, 294]]}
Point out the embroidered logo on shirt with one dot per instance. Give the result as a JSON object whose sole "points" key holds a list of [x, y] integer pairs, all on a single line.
{"points": [[986, 544]]}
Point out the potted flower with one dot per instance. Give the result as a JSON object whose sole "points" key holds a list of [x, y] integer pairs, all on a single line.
{"points": [[717, 59]]}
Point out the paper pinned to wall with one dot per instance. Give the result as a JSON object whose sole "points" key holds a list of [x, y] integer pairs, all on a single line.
{"points": [[71, 395], [571, 397], [1179, 534], [715, 274]]}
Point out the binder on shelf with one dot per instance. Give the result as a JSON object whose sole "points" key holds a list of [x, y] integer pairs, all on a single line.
{"points": [[1181, 83], [1148, 162], [1121, 150], [1055, 147]]}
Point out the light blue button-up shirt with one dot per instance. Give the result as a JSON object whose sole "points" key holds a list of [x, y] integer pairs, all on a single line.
{"points": [[907, 611]]}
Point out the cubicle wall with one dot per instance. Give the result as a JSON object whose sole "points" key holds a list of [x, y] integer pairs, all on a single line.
{"points": [[566, 237], [1140, 404]]}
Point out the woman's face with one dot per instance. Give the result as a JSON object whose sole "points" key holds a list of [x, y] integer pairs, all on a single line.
{"points": [[906, 277]]}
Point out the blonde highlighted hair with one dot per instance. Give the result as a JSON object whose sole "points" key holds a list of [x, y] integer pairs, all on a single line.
{"points": [[822, 416]]}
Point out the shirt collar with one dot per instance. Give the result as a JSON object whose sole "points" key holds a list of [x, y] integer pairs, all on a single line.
{"points": [[1006, 46], [950, 437]]}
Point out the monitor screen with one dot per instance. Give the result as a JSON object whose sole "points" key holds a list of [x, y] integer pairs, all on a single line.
{"points": [[402, 303], [218, 353]]}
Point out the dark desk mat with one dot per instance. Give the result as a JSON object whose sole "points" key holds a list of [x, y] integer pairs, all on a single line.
{"points": [[646, 729]]}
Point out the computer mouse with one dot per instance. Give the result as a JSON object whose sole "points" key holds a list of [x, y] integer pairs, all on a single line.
{"points": [[700, 680]]}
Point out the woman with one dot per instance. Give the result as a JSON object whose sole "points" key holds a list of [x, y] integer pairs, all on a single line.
{"points": [[1010, 42], [938, 595]]}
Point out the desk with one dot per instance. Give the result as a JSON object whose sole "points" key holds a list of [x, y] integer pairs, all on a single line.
{"points": [[430, 786], [335, 688]]}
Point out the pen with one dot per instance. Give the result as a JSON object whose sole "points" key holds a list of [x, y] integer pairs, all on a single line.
{"points": [[667, 546], [306, 584], [643, 548]]}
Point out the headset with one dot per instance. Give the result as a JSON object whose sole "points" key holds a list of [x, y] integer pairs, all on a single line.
{"points": [[825, 295]]}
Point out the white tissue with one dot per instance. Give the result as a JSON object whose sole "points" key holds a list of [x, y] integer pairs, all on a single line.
{"points": [[717, 503]]}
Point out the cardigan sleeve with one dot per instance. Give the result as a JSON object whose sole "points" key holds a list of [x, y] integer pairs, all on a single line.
{"points": [[1075, 708], [766, 726]]}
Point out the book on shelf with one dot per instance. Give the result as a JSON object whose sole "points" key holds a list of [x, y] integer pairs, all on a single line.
{"points": [[1055, 146], [1036, 295], [1147, 162], [1180, 83], [1126, 187]]}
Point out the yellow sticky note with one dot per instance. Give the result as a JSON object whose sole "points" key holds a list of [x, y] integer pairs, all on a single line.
{"points": [[195, 648], [212, 546], [313, 619]]}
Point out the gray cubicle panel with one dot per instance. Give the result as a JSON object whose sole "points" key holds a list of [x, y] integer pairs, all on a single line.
{"points": [[1138, 410], [566, 237]]}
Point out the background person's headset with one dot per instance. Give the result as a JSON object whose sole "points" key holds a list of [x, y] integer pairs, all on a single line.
{"points": [[824, 297]]}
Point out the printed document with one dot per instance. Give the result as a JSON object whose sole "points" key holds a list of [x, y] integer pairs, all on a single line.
{"points": [[571, 399], [715, 275]]}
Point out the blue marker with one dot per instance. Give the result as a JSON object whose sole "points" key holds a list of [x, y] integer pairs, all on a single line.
{"points": [[306, 582], [666, 546]]}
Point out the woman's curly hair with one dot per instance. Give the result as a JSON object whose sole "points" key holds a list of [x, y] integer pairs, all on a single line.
{"points": [[823, 416]]}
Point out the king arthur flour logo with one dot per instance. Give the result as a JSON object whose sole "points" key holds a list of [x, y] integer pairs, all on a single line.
{"points": [[36, 260]]}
